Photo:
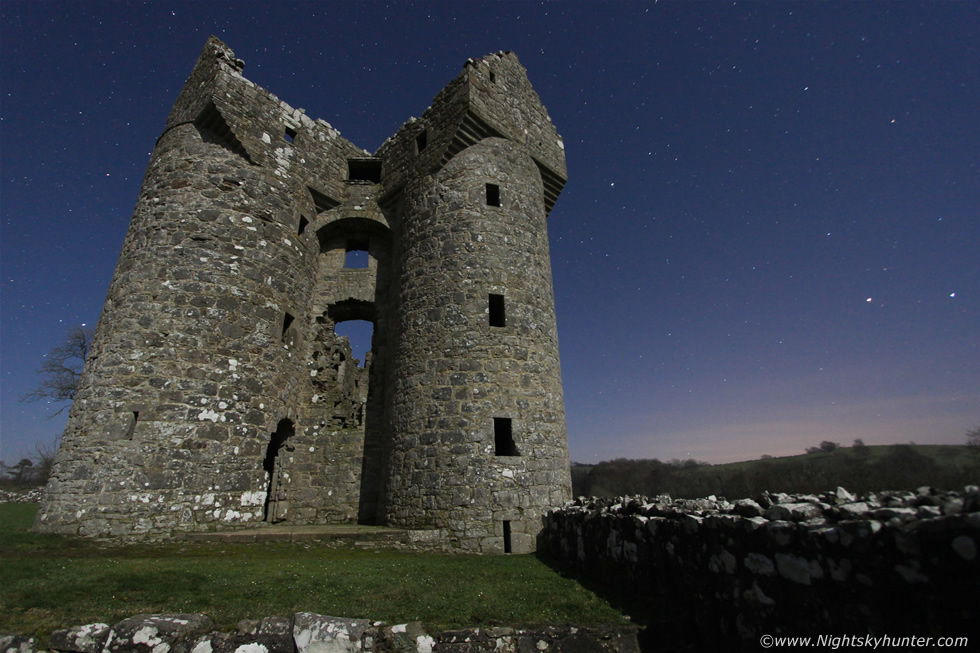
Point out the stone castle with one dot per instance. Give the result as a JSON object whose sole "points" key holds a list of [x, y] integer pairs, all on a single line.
{"points": [[218, 394]]}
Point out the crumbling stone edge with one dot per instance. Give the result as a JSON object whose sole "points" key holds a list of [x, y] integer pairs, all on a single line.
{"points": [[306, 632]]}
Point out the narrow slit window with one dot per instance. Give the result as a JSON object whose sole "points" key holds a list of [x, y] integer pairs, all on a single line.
{"points": [[493, 77], [503, 437], [287, 321], [421, 141], [289, 134], [493, 195], [498, 316], [132, 427], [507, 545], [303, 224]]}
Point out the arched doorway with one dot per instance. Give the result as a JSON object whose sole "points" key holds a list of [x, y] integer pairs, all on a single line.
{"points": [[276, 501], [356, 320]]}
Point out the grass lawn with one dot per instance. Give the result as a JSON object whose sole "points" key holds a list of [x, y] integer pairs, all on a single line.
{"points": [[49, 582]]}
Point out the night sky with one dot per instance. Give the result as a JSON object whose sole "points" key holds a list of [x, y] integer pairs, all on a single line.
{"points": [[769, 236]]}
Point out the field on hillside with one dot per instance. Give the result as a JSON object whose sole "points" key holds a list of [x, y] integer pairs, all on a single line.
{"points": [[859, 469], [50, 582]]}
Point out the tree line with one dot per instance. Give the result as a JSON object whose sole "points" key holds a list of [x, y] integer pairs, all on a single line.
{"points": [[860, 468]]}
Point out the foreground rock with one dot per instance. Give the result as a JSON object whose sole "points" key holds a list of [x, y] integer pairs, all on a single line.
{"points": [[307, 632], [157, 633]]}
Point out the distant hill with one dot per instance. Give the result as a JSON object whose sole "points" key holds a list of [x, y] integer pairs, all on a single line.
{"points": [[859, 469]]}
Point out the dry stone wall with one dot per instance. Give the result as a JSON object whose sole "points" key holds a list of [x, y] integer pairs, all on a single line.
{"points": [[712, 571]]}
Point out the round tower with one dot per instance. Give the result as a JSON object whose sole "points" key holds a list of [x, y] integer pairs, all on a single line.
{"points": [[193, 348], [218, 392], [478, 445], [194, 363]]}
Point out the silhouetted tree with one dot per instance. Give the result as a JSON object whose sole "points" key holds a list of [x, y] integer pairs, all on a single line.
{"points": [[44, 455], [19, 473], [973, 437], [62, 369], [860, 448]]}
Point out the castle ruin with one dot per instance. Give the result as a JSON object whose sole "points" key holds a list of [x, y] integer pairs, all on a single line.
{"points": [[218, 395]]}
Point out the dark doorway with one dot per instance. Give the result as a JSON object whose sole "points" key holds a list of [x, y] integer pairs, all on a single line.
{"points": [[276, 503]]}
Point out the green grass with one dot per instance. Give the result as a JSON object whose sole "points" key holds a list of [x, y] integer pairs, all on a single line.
{"points": [[49, 582]]}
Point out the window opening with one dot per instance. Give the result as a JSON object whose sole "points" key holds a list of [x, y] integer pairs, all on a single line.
{"points": [[356, 255], [507, 547], [356, 259], [359, 334], [132, 426], [287, 321], [421, 141], [290, 134], [493, 195], [498, 317], [503, 437], [493, 77], [303, 224], [364, 170]]}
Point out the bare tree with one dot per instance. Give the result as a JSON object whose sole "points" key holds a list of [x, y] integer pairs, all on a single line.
{"points": [[44, 455], [62, 368], [973, 437]]}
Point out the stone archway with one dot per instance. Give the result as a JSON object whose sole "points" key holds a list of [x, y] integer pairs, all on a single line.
{"points": [[276, 500]]}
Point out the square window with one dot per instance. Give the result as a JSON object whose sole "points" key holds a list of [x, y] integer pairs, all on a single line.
{"points": [[356, 255], [355, 259], [364, 170], [493, 195], [290, 134]]}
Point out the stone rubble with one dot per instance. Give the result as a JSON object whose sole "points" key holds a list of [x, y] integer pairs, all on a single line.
{"points": [[30, 496]]}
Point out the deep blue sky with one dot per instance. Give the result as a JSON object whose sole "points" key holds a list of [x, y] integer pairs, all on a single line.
{"points": [[769, 236]]}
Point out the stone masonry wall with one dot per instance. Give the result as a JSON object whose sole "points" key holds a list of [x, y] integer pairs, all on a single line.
{"points": [[896, 563], [456, 372], [192, 365], [218, 393]]}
